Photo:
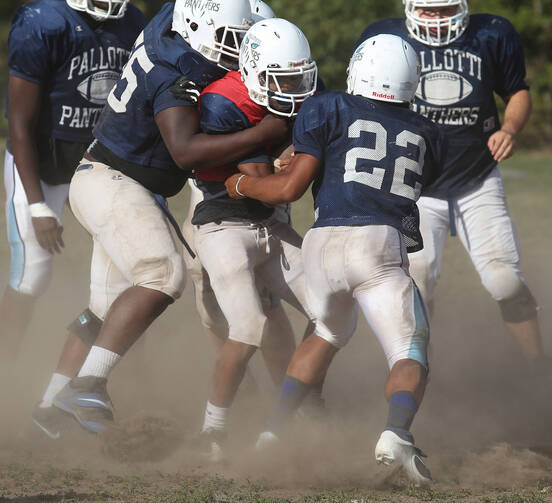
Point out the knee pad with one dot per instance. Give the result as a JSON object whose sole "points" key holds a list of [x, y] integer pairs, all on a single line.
{"points": [[86, 327], [521, 307], [502, 280]]}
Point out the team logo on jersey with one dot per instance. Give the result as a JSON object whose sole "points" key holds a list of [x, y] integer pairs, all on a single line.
{"points": [[96, 87], [443, 88]]}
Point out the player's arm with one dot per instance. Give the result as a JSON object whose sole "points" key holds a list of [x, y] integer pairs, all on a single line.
{"points": [[502, 144], [24, 109], [285, 186], [258, 169], [191, 149]]}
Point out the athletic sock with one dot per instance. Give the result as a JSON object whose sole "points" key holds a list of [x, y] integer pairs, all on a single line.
{"points": [[215, 418], [99, 362], [402, 409], [292, 394], [57, 382]]}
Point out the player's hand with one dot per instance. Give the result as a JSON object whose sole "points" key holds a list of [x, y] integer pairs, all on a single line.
{"points": [[502, 145], [231, 186], [48, 234], [274, 129], [185, 89]]}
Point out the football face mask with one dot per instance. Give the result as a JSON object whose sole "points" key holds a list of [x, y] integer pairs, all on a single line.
{"points": [[436, 22], [276, 66], [100, 10]]}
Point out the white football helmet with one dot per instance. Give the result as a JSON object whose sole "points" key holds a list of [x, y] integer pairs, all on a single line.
{"points": [[260, 10], [385, 68], [214, 29], [276, 66], [436, 31], [100, 10]]}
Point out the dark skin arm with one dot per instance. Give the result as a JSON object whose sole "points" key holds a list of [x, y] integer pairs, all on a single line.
{"points": [[191, 149], [24, 109], [285, 186]]}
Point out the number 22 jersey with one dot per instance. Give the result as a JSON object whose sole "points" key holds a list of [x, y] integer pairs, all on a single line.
{"points": [[376, 158]]}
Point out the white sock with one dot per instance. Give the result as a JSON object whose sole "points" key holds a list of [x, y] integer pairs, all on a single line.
{"points": [[215, 417], [99, 362], [57, 382]]}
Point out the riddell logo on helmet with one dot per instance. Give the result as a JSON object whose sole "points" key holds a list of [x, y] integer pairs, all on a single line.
{"points": [[383, 95]]}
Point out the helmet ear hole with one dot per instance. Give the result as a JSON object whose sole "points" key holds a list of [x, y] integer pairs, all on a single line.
{"points": [[194, 26]]}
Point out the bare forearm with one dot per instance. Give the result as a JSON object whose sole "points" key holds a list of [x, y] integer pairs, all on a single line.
{"points": [[517, 112], [273, 189]]}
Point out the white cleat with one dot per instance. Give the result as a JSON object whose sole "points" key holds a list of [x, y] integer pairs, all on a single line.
{"points": [[266, 440], [391, 447]]}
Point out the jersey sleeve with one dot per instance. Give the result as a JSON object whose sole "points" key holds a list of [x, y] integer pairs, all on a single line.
{"points": [[31, 43], [510, 60], [310, 129]]}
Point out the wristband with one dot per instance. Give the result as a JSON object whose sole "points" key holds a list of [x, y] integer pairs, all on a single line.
{"points": [[42, 210], [237, 185]]}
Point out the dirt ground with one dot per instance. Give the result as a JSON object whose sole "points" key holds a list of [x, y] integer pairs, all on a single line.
{"points": [[485, 422]]}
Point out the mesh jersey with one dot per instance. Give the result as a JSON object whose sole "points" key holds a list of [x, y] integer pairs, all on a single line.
{"points": [[127, 124], [376, 159], [456, 92], [51, 44], [225, 107]]}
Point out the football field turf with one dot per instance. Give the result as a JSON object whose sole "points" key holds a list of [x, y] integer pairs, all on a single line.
{"points": [[485, 424]]}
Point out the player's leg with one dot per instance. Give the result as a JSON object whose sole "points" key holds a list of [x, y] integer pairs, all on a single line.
{"points": [[229, 252], [331, 303], [490, 237], [30, 264], [393, 307], [425, 265], [125, 219]]}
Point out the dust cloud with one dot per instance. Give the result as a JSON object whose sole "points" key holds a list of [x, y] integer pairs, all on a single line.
{"points": [[485, 419]]}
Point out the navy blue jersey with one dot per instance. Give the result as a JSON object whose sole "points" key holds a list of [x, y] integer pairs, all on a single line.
{"points": [[456, 92], [376, 159], [51, 44], [127, 124]]}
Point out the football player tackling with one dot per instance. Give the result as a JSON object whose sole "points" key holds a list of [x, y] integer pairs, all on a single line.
{"points": [[242, 243], [368, 157]]}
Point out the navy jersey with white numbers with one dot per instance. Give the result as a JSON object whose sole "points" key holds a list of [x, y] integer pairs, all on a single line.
{"points": [[127, 125], [456, 92], [75, 63], [376, 158]]}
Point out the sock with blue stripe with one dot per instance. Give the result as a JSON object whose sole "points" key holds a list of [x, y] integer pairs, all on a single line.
{"points": [[292, 394], [402, 409]]}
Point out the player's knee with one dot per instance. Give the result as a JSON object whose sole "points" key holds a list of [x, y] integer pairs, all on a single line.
{"points": [[249, 330], [86, 327], [33, 281], [521, 307], [502, 280], [166, 274]]}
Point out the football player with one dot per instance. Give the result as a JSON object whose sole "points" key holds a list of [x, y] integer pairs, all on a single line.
{"points": [[214, 323], [465, 59], [64, 58], [118, 191], [241, 242], [369, 158]]}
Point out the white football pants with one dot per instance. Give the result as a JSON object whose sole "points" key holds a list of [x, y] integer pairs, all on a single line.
{"points": [[487, 232], [239, 254], [30, 265], [133, 243], [365, 266]]}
